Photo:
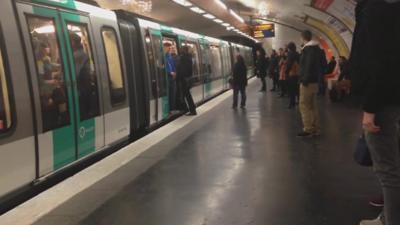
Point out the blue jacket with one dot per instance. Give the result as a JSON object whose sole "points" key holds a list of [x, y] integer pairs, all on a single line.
{"points": [[170, 63]]}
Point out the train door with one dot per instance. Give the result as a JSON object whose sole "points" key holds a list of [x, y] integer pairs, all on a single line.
{"points": [[65, 85], [206, 67], [174, 100], [159, 79]]}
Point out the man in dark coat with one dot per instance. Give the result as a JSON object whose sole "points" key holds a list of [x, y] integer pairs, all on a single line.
{"points": [[261, 69], [239, 82], [184, 77], [310, 70], [375, 76], [273, 70]]}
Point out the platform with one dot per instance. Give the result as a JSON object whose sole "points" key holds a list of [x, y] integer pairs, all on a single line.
{"points": [[224, 167]]}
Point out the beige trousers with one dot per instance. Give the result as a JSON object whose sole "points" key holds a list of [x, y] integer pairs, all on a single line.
{"points": [[309, 108]]}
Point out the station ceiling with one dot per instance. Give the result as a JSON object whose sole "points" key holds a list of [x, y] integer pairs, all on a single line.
{"points": [[332, 19]]}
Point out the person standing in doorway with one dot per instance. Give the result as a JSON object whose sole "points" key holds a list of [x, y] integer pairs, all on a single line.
{"points": [[310, 70], [374, 66], [184, 78], [171, 73], [239, 82]]}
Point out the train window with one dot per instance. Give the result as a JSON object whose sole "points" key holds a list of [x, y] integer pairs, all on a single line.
{"points": [[216, 64], [152, 69], [6, 119], [51, 78], [115, 75], [205, 56], [159, 62], [85, 72]]}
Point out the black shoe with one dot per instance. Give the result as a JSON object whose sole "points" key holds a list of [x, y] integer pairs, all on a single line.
{"points": [[242, 107], [191, 114], [234, 107], [304, 134]]}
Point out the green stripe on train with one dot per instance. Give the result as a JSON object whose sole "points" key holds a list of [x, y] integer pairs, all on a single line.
{"points": [[70, 4]]}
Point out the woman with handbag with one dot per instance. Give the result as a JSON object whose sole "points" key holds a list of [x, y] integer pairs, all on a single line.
{"points": [[292, 74]]}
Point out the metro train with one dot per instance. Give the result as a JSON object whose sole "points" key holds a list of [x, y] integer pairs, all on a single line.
{"points": [[76, 80]]}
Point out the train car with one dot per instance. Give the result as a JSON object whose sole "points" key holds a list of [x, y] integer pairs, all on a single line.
{"points": [[76, 80]]}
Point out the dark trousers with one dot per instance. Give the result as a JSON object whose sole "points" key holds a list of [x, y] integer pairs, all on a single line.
{"points": [[275, 81], [385, 154], [236, 90], [171, 93], [293, 89], [321, 85], [284, 86], [264, 83], [187, 96]]}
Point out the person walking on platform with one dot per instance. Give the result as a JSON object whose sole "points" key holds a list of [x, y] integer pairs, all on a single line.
{"points": [[374, 66], [310, 69], [273, 70], [321, 78], [261, 68], [331, 65], [171, 73], [239, 82], [184, 78], [292, 73]]}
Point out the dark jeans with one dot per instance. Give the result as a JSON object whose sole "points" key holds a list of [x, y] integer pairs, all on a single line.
{"points": [[321, 85], [385, 153], [236, 90], [187, 96], [171, 93], [275, 81], [284, 86], [293, 89], [264, 83]]}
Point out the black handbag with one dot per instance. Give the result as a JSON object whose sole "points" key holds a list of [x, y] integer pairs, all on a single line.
{"points": [[362, 155]]}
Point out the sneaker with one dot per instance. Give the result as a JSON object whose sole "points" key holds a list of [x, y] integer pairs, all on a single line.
{"points": [[304, 134], [376, 221], [192, 114], [377, 202]]}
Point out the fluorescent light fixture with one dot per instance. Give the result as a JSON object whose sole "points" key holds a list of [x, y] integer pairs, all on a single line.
{"points": [[197, 10], [233, 13], [221, 4], [229, 28], [226, 24], [209, 16], [183, 2], [218, 21]]}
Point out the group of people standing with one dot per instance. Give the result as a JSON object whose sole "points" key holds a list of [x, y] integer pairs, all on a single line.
{"points": [[180, 71]]}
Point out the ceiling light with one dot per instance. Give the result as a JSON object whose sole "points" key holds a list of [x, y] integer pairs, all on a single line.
{"points": [[218, 21], [233, 13], [183, 2], [221, 4], [209, 16], [197, 10], [226, 24]]}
